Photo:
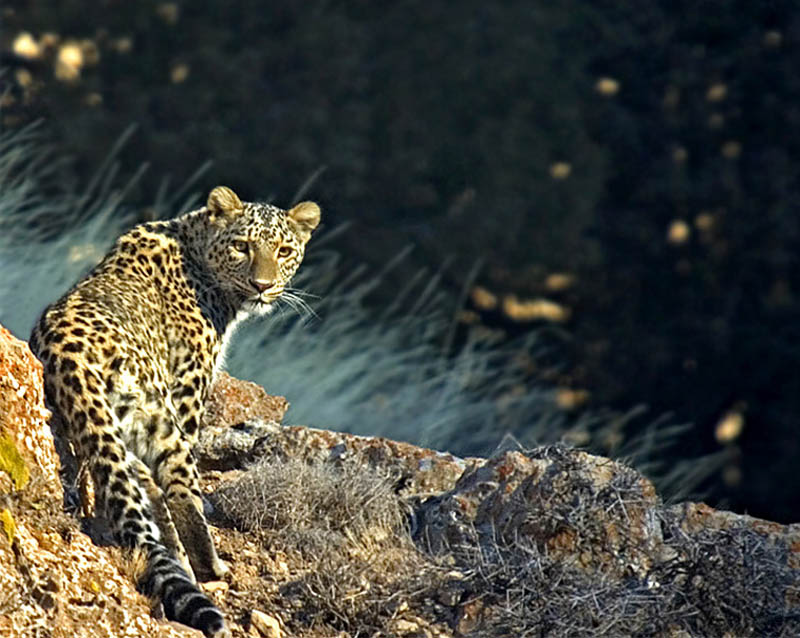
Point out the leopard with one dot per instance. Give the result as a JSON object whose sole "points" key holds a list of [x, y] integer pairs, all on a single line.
{"points": [[129, 354]]}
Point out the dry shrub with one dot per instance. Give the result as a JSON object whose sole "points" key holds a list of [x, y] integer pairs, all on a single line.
{"points": [[306, 506], [731, 582], [348, 526]]}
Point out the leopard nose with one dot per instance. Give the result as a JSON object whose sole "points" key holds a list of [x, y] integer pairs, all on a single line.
{"points": [[261, 285]]}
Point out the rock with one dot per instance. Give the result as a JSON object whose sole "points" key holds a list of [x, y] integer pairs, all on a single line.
{"points": [[238, 415], [57, 578], [410, 628], [23, 416], [550, 540], [267, 626], [233, 401], [242, 424], [223, 448], [214, 586], [591, 511], [452, 589], [469, 617], [416, 470], [184, 631]]}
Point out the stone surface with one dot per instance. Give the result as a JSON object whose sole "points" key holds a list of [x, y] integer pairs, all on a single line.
{"points": [[23, 416], [68, 586], [249, 433], [233, 401], [417, 470], [589, 520], [594, 512], [266, 625], [238, 415]]}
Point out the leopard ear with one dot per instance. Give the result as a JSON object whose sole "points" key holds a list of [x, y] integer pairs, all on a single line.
{"points": [[305, 217], [223, 202]]}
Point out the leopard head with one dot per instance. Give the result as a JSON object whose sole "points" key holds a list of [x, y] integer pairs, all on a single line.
{"points": [[254, 249]]}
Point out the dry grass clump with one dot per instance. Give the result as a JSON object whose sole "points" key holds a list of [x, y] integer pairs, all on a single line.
{"points": [[303, 506], [719, 582], [347, 525]]}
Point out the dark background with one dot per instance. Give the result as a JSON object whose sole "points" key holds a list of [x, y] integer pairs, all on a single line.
{"points": [[648, 150]]}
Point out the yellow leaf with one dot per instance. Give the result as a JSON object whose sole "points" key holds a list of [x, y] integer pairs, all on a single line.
{"points": [[12, 462], [9, 526]]}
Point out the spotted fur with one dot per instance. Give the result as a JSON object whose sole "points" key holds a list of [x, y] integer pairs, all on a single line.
{"points": [[129, 354]]}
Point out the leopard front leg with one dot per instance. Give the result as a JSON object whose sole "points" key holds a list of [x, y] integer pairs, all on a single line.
{"points": [[161, 514], [176, 473]]}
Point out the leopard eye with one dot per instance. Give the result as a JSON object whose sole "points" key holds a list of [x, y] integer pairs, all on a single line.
{"points": [[240, 246], [285, 251]]}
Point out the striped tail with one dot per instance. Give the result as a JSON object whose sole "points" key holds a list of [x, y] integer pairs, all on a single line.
{"points": [[166, 580]]}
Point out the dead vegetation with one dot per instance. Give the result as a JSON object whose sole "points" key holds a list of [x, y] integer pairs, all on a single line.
{"points": [[348, 529], [356, 570], [718, 583]]}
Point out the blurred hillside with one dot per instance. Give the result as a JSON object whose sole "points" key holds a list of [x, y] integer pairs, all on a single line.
{"points": [[626, 173]]}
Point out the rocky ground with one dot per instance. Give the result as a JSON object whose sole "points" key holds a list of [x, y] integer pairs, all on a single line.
{"points": [[330, 534]]}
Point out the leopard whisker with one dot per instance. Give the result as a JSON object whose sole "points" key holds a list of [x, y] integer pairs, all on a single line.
{"points": [[298, 304], [298, 292]]}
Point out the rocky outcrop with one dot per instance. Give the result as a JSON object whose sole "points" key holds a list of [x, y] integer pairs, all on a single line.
{"points": [[53, 580], [22, 412], [334, 534], [591, 512]]}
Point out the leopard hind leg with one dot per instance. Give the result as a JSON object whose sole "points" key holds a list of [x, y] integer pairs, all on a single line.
{"points": [[121, 484]]}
